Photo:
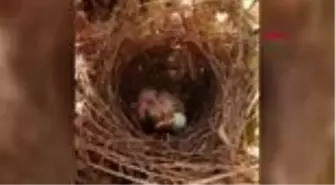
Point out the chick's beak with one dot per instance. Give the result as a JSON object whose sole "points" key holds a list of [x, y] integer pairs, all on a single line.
{"points": [[163, 124]]}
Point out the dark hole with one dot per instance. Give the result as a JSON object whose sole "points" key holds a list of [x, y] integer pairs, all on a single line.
{"points": [[150, 69], [168, 4]]}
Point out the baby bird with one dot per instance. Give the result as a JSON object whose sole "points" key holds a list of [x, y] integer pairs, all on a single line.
{"points": [[147, 100], [174, 118], [162, 109]]}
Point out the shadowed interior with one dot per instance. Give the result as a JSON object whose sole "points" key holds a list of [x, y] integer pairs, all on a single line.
{"points": [[181, 72]]}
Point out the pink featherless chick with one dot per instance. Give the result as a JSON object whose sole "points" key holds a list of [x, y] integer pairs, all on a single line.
{"points": [[146, 100], [161, 109], [169, 106]]}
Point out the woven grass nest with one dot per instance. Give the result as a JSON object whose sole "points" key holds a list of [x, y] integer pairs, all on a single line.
{"points": [[184, 50]]}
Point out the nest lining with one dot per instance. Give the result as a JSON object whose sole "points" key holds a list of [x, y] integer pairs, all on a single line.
{"points": [[215, 89]]}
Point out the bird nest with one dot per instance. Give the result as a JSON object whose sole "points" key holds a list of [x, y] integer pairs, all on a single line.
{"points": [[181, 49]]}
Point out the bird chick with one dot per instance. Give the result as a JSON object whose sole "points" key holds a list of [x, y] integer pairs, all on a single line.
{"points": [[170, 102], [173, 117], [147, 100], [164, 111]]}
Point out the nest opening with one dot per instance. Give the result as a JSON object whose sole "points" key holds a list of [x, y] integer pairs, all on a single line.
{"points": [[180, 71]]}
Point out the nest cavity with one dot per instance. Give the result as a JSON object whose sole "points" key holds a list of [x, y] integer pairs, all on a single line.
{"points": [[185, 50]]}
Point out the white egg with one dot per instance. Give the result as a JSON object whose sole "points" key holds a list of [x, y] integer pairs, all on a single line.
{"points": [[179, 121]]}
